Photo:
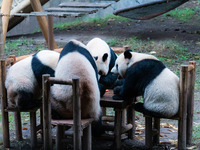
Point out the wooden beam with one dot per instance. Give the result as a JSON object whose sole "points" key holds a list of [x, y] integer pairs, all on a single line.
{"points": [[42, 21], [5, 10], [1, 40]]}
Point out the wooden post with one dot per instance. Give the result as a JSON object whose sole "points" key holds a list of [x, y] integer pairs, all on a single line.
{"points": [[190, 104], [42, 21], [156, 137], [5, 121], [46, 113], [131, 120], [1, 39], [183, 107], [50, 32], [59, 136], [33, 130], [76, 114], [148, 131], [18, 126], [5, 10], [87, 139], [118, 129]]}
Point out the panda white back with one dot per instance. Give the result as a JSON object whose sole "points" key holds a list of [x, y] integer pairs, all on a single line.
{"points": [[24, 79], [71, 64]]}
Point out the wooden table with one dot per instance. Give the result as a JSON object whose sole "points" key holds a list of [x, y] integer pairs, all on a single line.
{"points": [[120, 126]]}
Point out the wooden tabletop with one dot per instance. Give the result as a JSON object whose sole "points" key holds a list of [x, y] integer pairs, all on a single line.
{"points": [[108, 101]]}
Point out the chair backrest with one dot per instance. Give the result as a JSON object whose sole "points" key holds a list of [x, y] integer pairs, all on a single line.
{"points": [[46, 82]]}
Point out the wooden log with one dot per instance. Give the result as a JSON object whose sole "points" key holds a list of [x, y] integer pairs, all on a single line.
{"points": [[18, 126], [46, 112], [5, 120], [148, 132], [118, 129], [42, 21], [183, 107], [33, 130], [50, 33], [87, 138], [76, 114], [5, 10], [131, 120], [84, 4], [59, 137], [22, 57], [1, 40], [78, 10], [108, 118], [156, 137], [190, 100]]}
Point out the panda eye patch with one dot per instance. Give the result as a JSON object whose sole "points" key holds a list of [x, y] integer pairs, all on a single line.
{"points": [[117, 66]]}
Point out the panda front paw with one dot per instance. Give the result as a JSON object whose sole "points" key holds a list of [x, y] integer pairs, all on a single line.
{"points": [[117, 89], [119, 82]]}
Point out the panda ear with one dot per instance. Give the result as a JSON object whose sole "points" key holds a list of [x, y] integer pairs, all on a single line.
{"points": [[96, 57], [127, 54], [105, 56]]}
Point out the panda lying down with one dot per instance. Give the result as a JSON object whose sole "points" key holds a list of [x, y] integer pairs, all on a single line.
{"points": [[144, 75]]}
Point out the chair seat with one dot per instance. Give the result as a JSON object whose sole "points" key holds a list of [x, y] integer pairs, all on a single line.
{"points": [[84, 122]]}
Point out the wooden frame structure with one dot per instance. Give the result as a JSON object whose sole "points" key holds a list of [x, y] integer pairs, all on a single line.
{"points": [[80, 126], [17, 117], [185, 114]]}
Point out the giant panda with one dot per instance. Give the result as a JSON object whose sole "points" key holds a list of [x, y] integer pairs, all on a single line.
{"points": [[24, 79], [105, 61], [75, 60], [146, 76]]}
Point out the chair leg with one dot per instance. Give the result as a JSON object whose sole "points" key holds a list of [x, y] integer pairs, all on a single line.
{"points": [[156, 137], [148, 132], [87, 138], [41, 122], [59, 137], [33, 129], [131, 120], [18, 126], [5, 129], [118, 129]]}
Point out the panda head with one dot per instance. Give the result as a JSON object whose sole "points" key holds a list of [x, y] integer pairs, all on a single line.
{"points": [[100, 50], [127, 59]]}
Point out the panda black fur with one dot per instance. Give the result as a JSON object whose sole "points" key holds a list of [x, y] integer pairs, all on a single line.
{"points": [[146, 76], [24, 79], [105, 60], [75, 60]]}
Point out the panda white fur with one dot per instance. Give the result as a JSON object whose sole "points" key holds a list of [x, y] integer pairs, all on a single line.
{"points": [[24, 79], [105, 61], [146, 76], [75, 60]]}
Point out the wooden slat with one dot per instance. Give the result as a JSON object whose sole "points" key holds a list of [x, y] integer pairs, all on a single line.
{"points": [[84, 122], [85, 10], [56, 14], [17, 110], [84, 5]]}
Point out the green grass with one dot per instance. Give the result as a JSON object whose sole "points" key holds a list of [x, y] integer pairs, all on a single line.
{"points": [[196, 134], [182, 14], [97, 21], [21, 47]]}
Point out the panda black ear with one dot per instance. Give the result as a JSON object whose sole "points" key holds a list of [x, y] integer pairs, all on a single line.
{"points": [[105, 56], [96, 57], [127, 54]]}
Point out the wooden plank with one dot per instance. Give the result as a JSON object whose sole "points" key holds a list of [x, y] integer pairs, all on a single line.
{"points": [[5, 9], [85, 10], [85, 4], [56, 14], [46, 113], [18, 126], [118, 129], [17, 110], [5, 121], [33, 130], [148, 132], [42, 21], [59, 137], [87, 138], [1, 40], [190, 104], [76, 115], [183, 107]]}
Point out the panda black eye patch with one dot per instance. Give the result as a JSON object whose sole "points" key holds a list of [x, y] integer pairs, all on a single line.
{"points": [[105, 56]]}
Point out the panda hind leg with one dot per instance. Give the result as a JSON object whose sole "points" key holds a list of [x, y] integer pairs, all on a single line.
{"points": [[54, 113]]}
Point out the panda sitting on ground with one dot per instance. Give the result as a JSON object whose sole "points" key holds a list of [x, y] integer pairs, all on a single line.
{"points": [[146, 76], [105, 61], [24, 79], [75, 60]]}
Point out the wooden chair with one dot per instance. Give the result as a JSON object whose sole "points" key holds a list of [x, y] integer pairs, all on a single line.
{"points": [[185, 114], [124, 119], [17, 117], [80, 126]]}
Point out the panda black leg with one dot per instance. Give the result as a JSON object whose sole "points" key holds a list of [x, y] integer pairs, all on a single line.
{"points": [[139, 107], [54, 113]]}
